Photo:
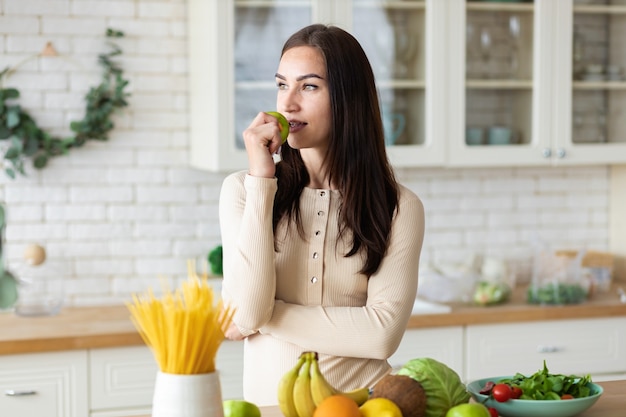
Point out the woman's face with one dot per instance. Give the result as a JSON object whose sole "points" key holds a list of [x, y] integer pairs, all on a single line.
{"points": [[303, 97]]}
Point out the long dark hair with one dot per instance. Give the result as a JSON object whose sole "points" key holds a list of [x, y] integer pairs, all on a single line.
{"points": [[356, 158]]}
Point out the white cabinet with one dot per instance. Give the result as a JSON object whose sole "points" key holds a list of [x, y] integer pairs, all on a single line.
{"points": [[514, 76], [234, 50], [519, 75], [47, 384], [444, 344], [121, 380], [591, 346]]}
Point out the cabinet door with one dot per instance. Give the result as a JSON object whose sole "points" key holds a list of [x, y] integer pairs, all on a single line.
{"points": [[234, 49], [500, 73], [47, 384], [234, 52], [444, 344], [122, 378], [593, 346], [590, 87], [406, 52]]}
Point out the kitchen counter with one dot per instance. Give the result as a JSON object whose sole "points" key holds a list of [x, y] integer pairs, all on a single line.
{"points": [[110, 326], [611, 404]]}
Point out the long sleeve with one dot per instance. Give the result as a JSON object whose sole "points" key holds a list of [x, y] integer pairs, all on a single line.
{"points": [[245, 211]]}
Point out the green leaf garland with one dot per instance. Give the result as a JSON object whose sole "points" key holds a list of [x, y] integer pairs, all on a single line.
{"points": [[27, 140]]}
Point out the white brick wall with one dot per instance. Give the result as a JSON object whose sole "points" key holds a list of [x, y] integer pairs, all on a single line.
{"points": [[121, 214]]}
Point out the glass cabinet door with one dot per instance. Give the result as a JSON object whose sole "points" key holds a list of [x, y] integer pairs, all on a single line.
{"points": [[395, 36], [500, 73], [261, 28], [597, 122]]}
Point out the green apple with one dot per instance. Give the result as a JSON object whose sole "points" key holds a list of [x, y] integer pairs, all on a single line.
{"points": [[240, 408], [284, 124], [468, 410]]}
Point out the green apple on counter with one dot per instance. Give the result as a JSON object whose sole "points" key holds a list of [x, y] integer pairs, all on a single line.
{"points": [[468, 410], [240, 408]]}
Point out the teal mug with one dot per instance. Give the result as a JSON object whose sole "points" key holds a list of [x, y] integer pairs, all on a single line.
{"points": [[393, 126]]}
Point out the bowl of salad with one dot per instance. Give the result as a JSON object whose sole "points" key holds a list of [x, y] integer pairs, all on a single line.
{"points": [[538, 395]]}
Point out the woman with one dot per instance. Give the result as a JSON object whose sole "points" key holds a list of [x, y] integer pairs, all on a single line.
{"points": [[321, 250]]}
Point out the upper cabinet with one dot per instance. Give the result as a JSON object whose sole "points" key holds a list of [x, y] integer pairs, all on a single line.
{"points": [[537, 83], [461, 83]]}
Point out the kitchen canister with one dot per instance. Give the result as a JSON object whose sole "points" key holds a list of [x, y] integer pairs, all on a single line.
{"points": [[193, 395]]}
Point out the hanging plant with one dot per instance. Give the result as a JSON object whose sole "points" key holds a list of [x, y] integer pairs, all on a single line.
{"points": [[29, 141]]}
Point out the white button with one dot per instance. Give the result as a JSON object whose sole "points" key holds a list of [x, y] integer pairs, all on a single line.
{"points": [[313, 280], [322, 193], [315, 255], [317, 233], [320, 213]]}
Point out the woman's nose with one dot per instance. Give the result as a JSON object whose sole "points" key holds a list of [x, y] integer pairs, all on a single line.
{"points": [[288, 101]]}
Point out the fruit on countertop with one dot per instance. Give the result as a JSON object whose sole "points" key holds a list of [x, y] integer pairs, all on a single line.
{"points": [[380, 407], [442, 385], [491, 293], [34, 255], [240, 408], [469, 410], [283, 123], [407, 393], [337, 406], [304, 387]]}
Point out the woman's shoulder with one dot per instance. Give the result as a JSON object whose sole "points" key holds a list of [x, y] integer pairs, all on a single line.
{"points": [[405, 195]]}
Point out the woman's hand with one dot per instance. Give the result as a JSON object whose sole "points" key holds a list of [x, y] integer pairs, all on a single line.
{"points": [[262, 140], [233, 333]]}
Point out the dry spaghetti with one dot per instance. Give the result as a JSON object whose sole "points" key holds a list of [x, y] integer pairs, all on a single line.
{"points": [[184, 329]]}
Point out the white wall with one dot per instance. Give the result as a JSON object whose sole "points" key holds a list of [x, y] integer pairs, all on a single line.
{"points": [[114, 216]]}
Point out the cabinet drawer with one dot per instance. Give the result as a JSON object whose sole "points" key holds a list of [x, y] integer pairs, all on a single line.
{"points": [[444, 344], [122, 377], [50, 384], [592, 346]]}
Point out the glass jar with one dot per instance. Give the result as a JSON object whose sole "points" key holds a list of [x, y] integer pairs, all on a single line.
{"points": [[558, 278], [40, 290]]}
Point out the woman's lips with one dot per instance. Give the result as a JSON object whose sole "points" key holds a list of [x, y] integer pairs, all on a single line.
{"points": [[295, 126]]}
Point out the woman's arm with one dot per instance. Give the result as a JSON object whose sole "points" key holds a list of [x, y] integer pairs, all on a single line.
{"points": [[245, 211], [375, 330]]}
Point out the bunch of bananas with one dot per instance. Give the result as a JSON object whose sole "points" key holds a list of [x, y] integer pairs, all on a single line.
{"points": [[304, 387]]}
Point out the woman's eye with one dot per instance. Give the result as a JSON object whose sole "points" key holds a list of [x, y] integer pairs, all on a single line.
{"points": [[281, 86], [310, 87]]}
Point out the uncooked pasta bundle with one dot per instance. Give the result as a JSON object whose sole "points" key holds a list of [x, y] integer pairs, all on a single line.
{"points": [[184, 329]]}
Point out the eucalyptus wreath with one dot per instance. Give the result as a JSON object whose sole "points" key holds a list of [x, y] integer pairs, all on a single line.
{"points": [[26, 140]]}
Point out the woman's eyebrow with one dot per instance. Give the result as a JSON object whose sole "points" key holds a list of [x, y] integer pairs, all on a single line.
{"points": [[300, 78]]}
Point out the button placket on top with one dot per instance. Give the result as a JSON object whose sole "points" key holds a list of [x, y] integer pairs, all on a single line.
{"points": [[316, 247]]}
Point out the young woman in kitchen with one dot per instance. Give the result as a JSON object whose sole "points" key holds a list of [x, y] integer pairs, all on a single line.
{"points": [[321, 250]]}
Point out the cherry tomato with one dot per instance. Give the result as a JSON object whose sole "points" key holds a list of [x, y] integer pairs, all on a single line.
{"points": [[493, 412], [502, 392], [567, 397], [516, 392]]}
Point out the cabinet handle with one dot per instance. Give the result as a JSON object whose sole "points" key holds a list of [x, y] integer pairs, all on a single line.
{"points": [[546, 152], [547, 349], [19, 393], [560, 153]]}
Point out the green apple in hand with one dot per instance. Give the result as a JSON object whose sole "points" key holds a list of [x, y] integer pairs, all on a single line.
{"points": [[284, 124], [468, 410]]}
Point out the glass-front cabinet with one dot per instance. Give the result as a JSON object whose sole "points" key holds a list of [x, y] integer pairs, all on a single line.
{"points": [[462, 83], [537, 83], [234, 52]]}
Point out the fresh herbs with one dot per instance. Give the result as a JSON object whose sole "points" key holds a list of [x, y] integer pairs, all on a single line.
{"points": [[27, 140], [543, 385]]}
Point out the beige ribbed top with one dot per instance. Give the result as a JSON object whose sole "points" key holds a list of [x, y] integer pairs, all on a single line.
{"points": [[308, 296]]}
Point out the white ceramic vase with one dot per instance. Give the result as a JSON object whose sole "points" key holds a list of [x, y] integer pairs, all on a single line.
{"points": [[187, 395]]}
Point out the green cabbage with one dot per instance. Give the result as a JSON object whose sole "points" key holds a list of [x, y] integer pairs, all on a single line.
{"points": [[443, 386]]}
